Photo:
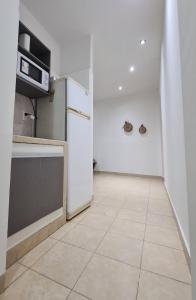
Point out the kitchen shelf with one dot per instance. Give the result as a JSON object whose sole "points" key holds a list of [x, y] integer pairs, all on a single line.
{"points": [[40, 55], [37, 48], [28, 89], [33, 58]]}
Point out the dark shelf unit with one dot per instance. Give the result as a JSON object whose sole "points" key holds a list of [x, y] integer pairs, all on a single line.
{"points": [[33, 58], [40, 55], [28, 89]]}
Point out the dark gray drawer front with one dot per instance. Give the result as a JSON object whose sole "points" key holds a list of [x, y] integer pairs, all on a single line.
{"points": [[36, 190]]}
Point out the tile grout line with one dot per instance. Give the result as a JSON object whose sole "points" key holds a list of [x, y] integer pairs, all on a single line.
{"points": [[117, 260], [94, 252], [138, 286], [40, 256], [165, 246], [167, 277], [134, 221], [60, 241], [28, 267], [72, 289], [114, 259], [158, 274], [112, 232], [163, 227], [47, 277]]}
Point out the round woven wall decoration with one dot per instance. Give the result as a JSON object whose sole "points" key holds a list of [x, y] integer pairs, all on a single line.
{"points": [[128, 127], [142, 129]]}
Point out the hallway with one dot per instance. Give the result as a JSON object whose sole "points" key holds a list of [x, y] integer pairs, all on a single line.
{"points": [[125, 246]]}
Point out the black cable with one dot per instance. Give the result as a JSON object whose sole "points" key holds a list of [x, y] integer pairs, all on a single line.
{"points": [[34, 108]]}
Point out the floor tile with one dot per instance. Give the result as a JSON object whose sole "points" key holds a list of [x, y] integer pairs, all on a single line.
{"points": [[165, 261], [128, 228], [114, 227], [80, 216], [31, 257], [13, 273], [136, 204], [103, 210], [160, 206], [159, 195], [138, 187], [105, 279], [76, 296], [155, 287], [163, 236], [139, 191], [32, 286], [63, 230], [161, 221], [121, 248], [84, 236], [158, 190], [63, 263], [129, 195], [112, 202], [97, 221], [132, 215]]}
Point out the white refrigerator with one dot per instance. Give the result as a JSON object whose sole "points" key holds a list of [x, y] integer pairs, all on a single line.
{"points": [[67, 116], [79, 149]]}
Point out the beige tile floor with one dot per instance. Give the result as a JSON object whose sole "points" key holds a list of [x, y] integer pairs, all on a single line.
{"points": [[125, 247]]}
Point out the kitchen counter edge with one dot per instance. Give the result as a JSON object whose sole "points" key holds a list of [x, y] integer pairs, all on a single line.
{"points": [[35, 140]]}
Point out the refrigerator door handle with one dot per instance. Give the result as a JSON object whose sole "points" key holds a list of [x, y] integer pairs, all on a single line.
{"points": [[77, 112]]}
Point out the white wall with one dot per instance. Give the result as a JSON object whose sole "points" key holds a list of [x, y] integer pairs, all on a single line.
{"points": [[76, 60], [91, 94], [187, 21], [72, 59], [135, 153], [76, 55], [173, 120], [9, 36], [30, 21], [82, 77]]}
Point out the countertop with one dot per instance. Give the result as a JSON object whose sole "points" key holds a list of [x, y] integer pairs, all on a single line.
{"points": [[34, 140]]}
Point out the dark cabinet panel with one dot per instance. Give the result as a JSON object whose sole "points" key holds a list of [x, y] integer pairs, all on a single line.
{"points": [[40, 55], [36, 190]]}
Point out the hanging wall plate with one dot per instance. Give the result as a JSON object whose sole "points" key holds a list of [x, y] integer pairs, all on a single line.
{"points": [[142, 129], [128, 127]]}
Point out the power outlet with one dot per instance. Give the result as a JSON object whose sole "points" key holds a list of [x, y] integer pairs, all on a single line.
{"points": [[24, 116]]}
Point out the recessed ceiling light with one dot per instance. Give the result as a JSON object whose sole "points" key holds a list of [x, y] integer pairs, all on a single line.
{"points": [[120, 88], [142, 42], [132, 69]]}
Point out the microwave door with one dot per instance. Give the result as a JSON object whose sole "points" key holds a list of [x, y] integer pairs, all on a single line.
{"points": [[24, 66], [33, 73]]}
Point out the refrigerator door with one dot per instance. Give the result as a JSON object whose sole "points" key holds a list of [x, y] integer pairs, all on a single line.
{"points": [[79, 163], [79, 140], [77, 97]]}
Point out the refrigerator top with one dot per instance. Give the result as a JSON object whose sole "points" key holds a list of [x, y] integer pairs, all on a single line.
{"points": [[69, 78]]}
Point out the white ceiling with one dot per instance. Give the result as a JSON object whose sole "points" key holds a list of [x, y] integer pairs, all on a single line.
{"points": [[117, 26]]}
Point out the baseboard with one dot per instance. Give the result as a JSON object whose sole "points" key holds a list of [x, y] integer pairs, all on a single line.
{"points": [[2, 283], [78, 211], [185, 245], [18, 251], [129, 174]]}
